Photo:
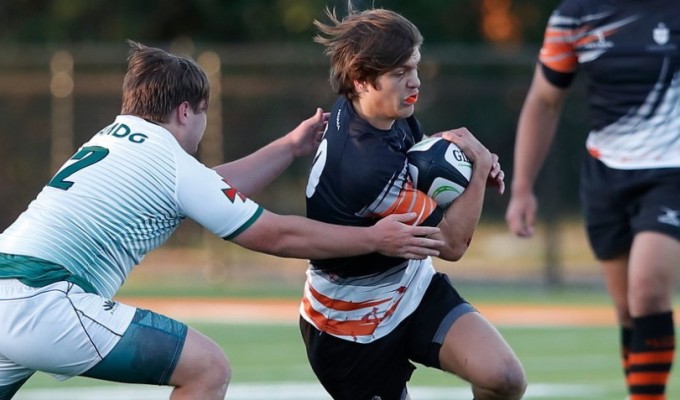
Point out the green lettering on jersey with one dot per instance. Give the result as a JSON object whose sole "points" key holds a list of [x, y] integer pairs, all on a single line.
{"points": [[84, 158]]}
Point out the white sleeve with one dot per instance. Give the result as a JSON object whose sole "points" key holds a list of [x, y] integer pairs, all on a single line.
{"points": [[210, 201]]}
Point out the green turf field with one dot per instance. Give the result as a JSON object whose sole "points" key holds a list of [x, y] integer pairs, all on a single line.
{"points": [[561, 363]]}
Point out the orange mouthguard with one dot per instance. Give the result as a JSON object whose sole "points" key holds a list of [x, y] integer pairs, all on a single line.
{"points": [[412, 99]]}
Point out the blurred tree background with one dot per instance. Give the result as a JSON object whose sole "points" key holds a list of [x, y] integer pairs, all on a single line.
{"points": [[478, 59], [256, 21]]}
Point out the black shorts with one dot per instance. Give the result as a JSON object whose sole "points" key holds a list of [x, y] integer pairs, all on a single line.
{"points": [[618, 204], [379, 370]]}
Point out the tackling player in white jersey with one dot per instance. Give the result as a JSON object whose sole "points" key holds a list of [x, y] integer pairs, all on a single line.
{"points": [[120, 196]]}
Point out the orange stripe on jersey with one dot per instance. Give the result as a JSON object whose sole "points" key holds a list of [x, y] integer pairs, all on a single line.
{"points": [[595, 36], [647, 378], [587, 39], [342, 305], [594, 152], [362, 327], [345, 328], [412, 200], [557, 52], [651, 357]]}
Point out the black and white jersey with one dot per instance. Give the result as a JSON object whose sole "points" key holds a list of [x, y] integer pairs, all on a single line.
{"points": [[629, 52], [360, 175]]}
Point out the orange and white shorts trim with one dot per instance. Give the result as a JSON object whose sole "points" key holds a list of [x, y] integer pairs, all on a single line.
{"points": [[364, 309]]}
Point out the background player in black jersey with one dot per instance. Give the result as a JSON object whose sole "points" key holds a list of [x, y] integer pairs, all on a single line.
{"points": [[365, 319], [629, 52]]}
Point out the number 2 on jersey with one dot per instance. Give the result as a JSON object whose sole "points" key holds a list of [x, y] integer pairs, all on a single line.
{"points": [[83, 158]]}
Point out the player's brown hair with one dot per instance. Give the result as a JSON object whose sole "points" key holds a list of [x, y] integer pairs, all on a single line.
{"points": [[364, 45], [156, 82]]}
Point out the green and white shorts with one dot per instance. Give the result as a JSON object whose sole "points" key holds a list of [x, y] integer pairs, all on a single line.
{"points": [[64, 331]]}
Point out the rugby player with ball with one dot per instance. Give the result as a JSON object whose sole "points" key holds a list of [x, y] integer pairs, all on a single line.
{"points": [[366, 319]]}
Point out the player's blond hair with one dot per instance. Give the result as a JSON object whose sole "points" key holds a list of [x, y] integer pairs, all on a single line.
{"points": [[364, 45], [157, 82]]}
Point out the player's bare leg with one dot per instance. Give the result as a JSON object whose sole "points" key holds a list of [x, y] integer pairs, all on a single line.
{"points": [[653, 263], [641, 286], [474, 350], [652, 276], [615, 271], [203, 372]]}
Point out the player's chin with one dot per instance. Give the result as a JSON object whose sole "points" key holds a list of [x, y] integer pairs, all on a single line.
{"points": [[406, 110]]}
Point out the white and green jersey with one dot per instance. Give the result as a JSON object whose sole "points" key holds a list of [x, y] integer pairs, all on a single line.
{"points": [[120, 196]]}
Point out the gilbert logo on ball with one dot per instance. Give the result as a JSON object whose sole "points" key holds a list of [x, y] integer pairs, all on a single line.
{"points": [[440, 169]]}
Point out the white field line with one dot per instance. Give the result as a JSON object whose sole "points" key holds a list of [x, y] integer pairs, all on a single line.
{"points": [[292, 391]]}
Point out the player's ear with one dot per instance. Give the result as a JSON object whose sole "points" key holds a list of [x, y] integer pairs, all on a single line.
{"points": [[360, 86], [182, 111]]}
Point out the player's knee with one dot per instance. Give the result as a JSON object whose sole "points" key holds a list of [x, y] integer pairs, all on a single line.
{"points": [[508, 382], [650, 300], [208, 377], [217, 373]]}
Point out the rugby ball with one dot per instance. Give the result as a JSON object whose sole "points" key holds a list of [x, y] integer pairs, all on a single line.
{"points": [[440, 169]]}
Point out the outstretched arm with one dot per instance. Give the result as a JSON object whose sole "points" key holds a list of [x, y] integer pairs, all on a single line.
{"points": [[254, 172], [535, 134], [299, 237]]}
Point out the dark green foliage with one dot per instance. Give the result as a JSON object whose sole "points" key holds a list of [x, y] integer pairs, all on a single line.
{"points": [[219, 21]]}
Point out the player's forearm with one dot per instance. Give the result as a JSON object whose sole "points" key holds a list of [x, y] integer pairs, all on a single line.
{"points": [[252, 173], [534, 138], [300, 237], [535, 132], [462, 217]]}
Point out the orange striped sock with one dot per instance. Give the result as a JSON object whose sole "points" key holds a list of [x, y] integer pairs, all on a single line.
{"points": [[651, 356]]}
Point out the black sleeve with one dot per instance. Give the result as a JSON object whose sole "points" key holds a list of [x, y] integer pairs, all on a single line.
{"points": [[560, 79]]}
